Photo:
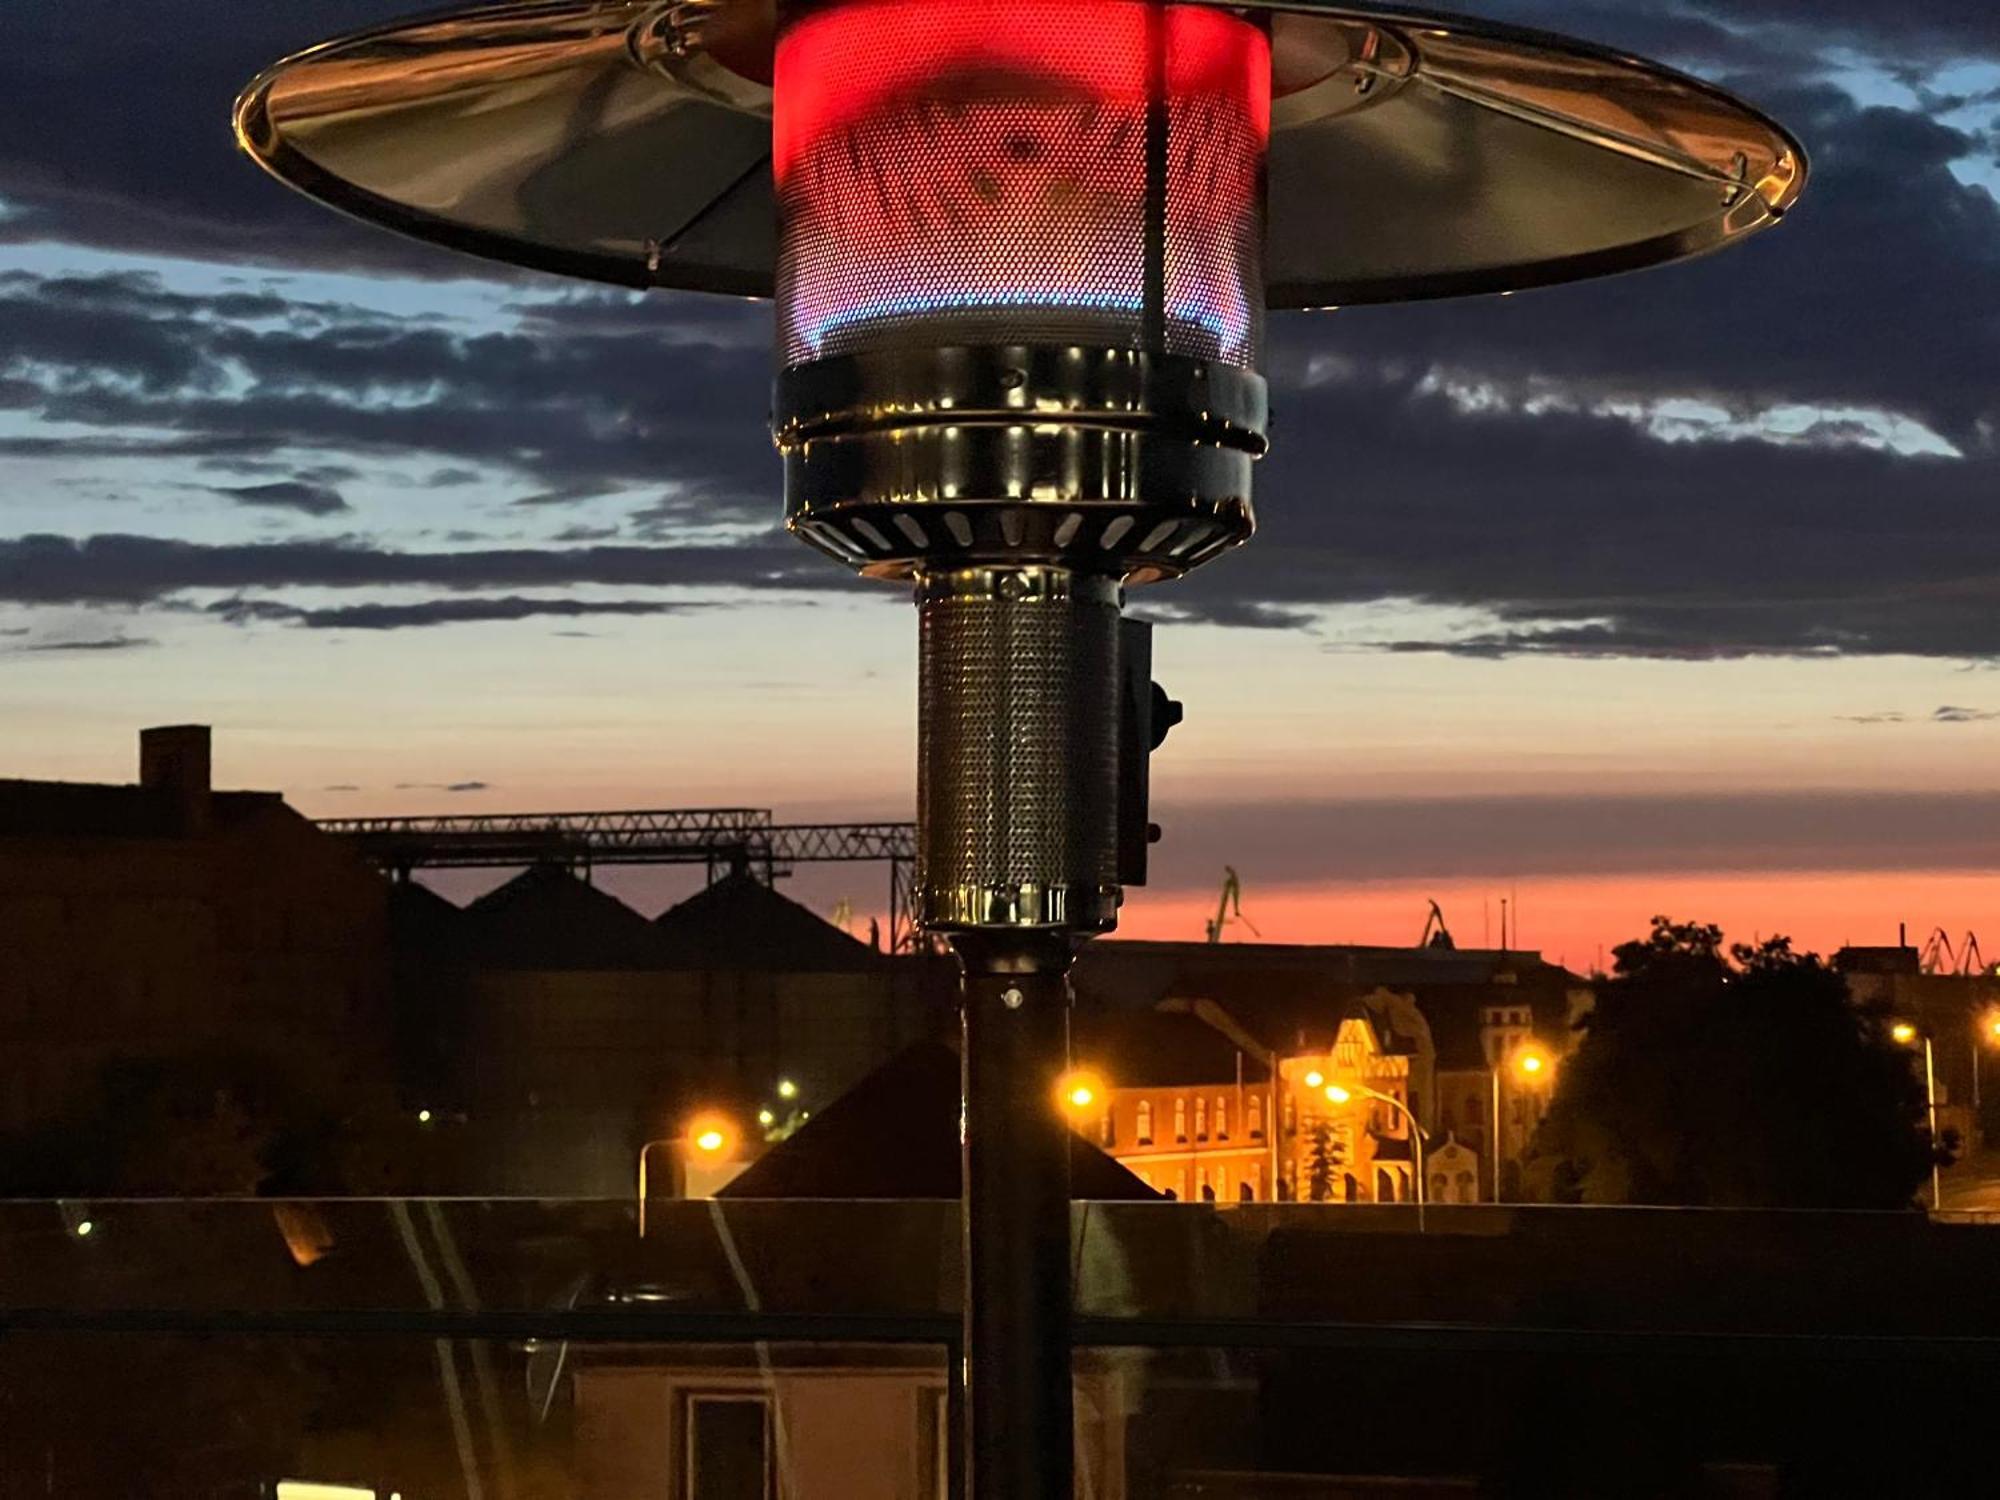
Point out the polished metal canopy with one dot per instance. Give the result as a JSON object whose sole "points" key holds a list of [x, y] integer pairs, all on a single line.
{"points": [[1412, 154]]}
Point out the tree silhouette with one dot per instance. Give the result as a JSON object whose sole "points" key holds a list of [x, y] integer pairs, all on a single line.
{"points": [[1748, 1079], [1323, 1156]]}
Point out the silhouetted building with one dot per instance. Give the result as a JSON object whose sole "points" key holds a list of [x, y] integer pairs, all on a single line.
{"points": [[569, 1030], [165, 921]]}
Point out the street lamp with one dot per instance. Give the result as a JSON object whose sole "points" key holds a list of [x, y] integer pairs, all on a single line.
{"points": [[1531, 1065], [1986, 1033], [1337, 1094], [709, 1135], [1904, 1033]]}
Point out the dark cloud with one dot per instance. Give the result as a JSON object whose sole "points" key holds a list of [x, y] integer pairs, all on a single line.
{"points": [[1452, 838], [450, 611], [1944, 714], [1544, 509], [152, 373], [113, 569], [100, 644], [286, 494], [1546, 499], [444, 786]]}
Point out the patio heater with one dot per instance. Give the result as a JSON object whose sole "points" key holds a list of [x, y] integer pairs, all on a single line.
{"points": [[1020, 253]]}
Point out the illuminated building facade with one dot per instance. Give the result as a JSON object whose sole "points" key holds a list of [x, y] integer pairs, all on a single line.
{"points": [[1174, 1029]]}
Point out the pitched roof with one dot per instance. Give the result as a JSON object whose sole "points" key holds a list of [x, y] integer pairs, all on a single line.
{"points": [[546, 918], [895, 1135], [741, 923], [419, 918]]}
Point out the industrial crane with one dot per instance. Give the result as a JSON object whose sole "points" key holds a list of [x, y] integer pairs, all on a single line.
{"points": [[1938, 957], [1436, 934], [1230, 907]]}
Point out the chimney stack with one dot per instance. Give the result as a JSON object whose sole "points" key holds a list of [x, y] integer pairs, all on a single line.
{"points": [[175, 758]]}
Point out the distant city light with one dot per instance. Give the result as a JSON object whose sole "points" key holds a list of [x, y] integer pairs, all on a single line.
{"points": [[787, 1089], [83, 1228], [423, 1117]]}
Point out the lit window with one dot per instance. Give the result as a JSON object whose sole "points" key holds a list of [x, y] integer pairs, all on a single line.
{"points": [[1180, 1119], [1221, 1119], [1201, 1119], [1145, 1122], [1109, 1137], [1256, 1117]]}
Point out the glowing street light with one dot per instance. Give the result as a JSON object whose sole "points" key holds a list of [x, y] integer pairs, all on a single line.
{"points": [[766, 1118], [1079, 1089], [1338, 1094], [1906, 1034], [709, 1134], [787, 1089], [1531, 1067], [1986, 1033], [1314, 1078]]}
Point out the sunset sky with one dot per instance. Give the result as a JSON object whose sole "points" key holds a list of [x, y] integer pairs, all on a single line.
{"points": [[1676, 591]]}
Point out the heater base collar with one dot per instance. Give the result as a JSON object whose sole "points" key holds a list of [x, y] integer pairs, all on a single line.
{"points": [[1116, 461]]}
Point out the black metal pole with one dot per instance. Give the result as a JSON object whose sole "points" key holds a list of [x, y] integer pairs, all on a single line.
{"points": [[1017, 1233]]}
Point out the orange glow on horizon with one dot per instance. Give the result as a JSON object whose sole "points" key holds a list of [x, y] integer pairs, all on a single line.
{"points": [[1576, 920]]}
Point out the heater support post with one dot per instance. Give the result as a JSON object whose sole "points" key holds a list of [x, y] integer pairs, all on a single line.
{"points": [[1020, 1426]]}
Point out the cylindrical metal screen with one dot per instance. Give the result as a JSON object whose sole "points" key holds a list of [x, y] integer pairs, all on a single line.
{"points": [[1017, 765], [1070, 172]]}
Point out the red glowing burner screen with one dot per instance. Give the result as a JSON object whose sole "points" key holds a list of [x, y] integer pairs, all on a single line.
{"points": [[965, 171]]}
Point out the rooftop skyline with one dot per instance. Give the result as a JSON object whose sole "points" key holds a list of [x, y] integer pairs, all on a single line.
{"points": [[1664, 592]]}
